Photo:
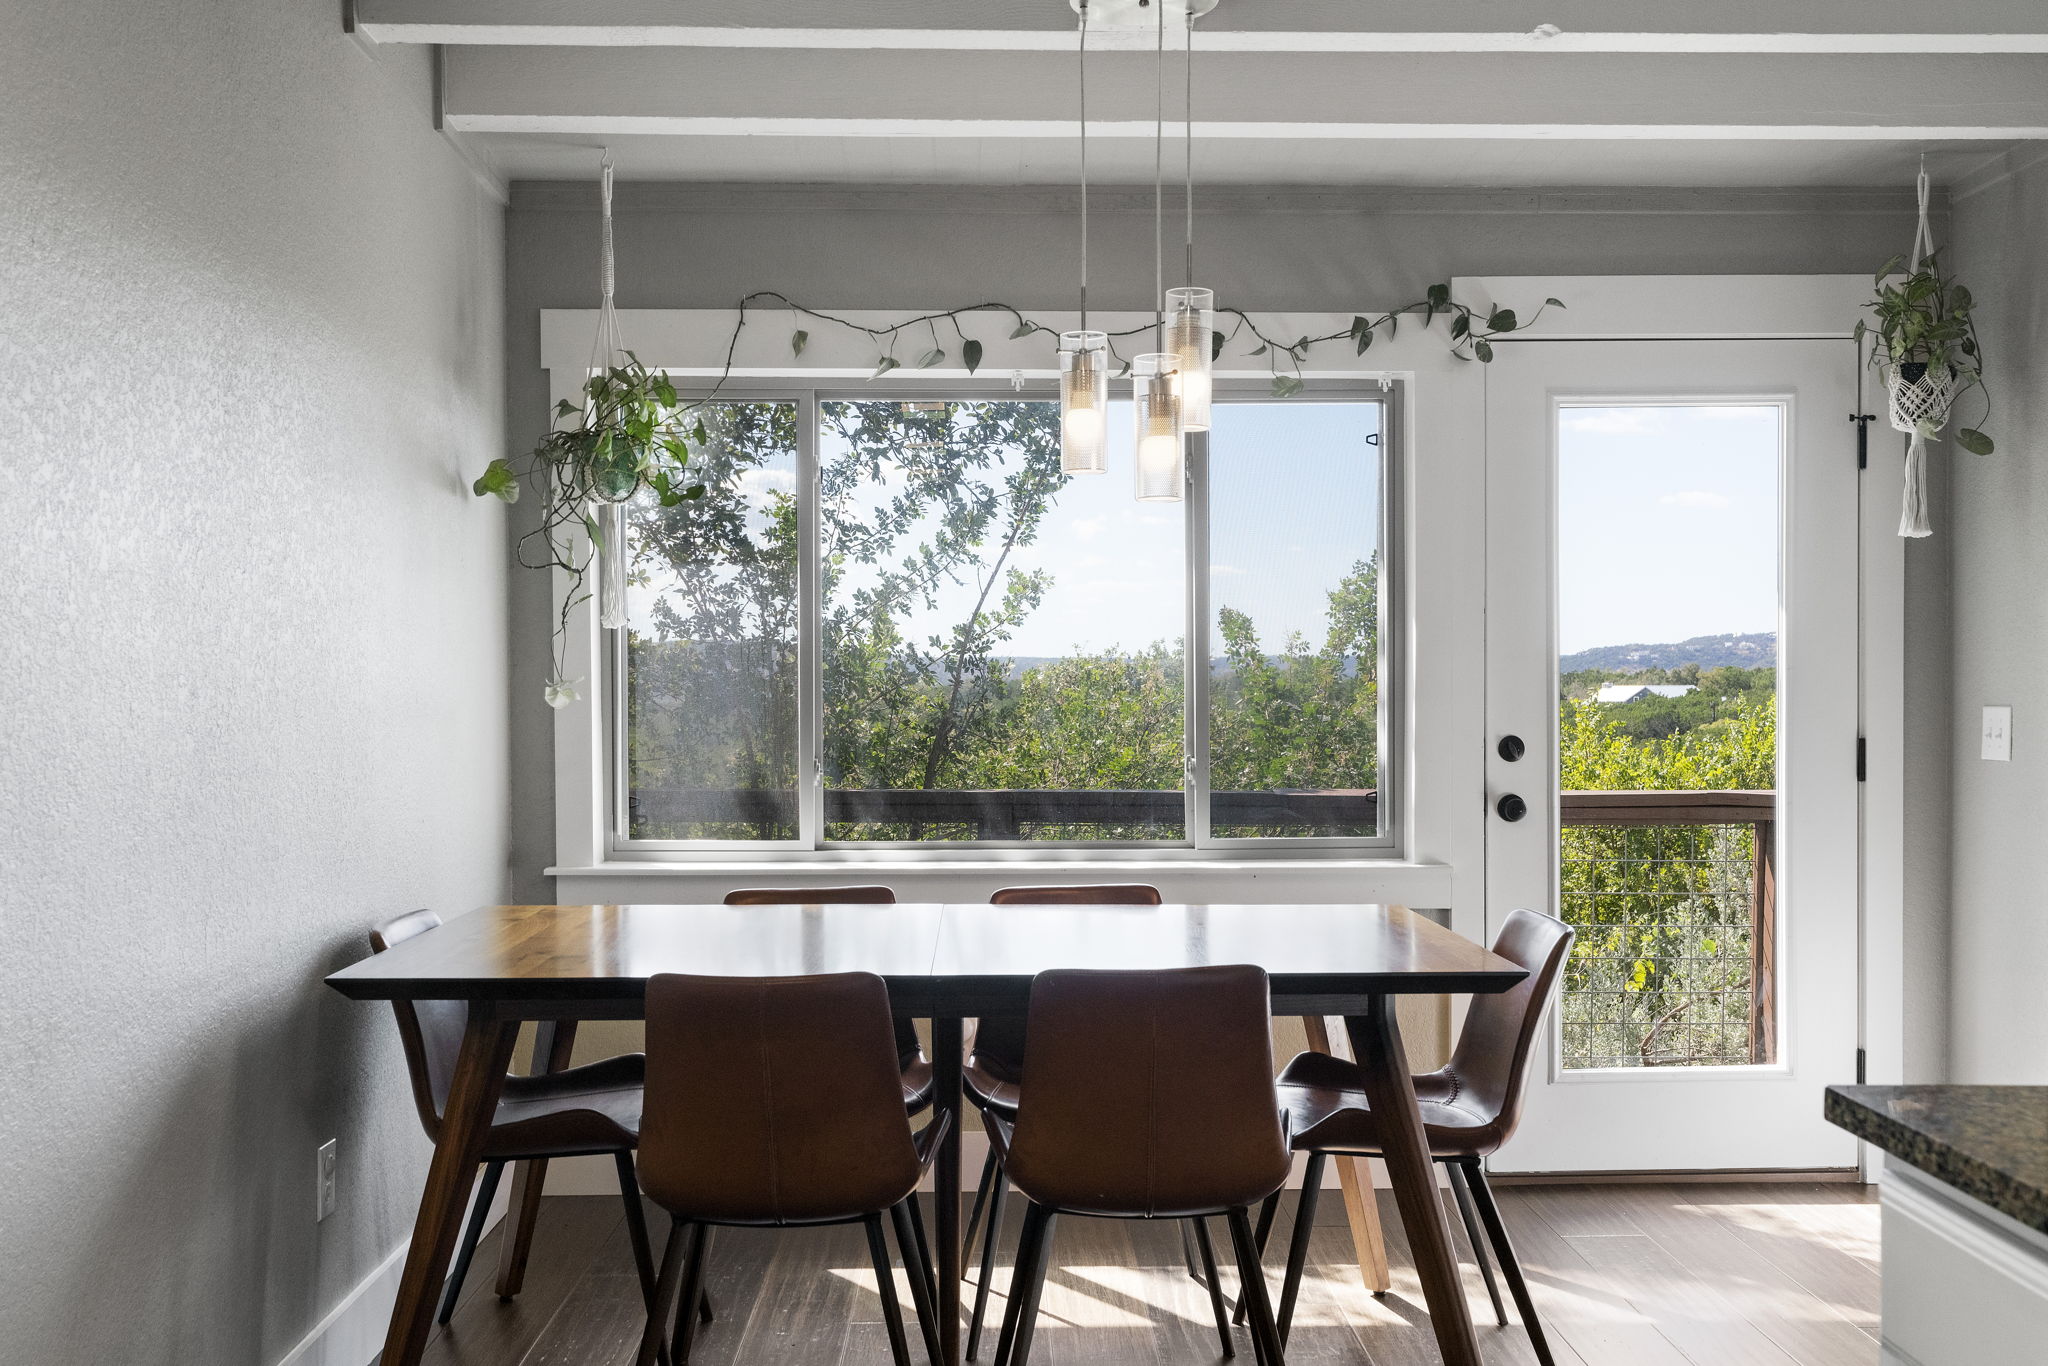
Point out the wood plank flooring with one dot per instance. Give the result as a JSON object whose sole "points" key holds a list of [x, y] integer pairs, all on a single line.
{"points": [[1624, 1275]]}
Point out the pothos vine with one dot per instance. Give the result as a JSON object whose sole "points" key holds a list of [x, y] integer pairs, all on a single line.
{"points": [[634, 430]]}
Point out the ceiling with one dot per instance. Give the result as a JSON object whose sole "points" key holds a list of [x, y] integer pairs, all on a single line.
{"points": [[1773, 93]]}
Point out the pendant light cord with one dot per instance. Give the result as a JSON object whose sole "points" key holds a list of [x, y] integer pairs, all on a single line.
{"points": [[1159, 176], [1188, 142], [1084, 165]]}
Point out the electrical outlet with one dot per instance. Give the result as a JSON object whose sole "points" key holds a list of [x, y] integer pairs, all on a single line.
{"points": [[1998, 733], [326, 1180]]}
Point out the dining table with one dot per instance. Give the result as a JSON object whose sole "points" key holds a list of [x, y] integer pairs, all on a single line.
{"points": [[944, 963]]}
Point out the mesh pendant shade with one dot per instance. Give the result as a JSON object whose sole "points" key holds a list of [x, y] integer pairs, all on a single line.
{"points": [[1190, 330], [1084, 402], [1161, 466]]}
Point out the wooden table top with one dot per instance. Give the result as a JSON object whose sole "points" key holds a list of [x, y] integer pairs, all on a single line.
{"points": [[938, 957]]}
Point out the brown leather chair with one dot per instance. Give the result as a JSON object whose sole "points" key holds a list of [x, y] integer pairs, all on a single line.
{"points": [[571, 1113], [994, 1077], [1470, 1107], [1147, 1095], [774, 1102]]}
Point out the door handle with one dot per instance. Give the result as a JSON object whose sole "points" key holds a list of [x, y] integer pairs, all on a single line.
{"points": [[1511, 807], [1511, 748]]}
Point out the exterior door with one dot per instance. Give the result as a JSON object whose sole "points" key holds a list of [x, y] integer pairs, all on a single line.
{"points": [[1672, 638]]}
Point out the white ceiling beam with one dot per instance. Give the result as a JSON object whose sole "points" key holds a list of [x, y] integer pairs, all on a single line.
{"points": [[593, 91], [1555, 26]]}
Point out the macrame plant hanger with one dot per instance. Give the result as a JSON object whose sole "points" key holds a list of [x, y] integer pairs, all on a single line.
{"points": [[1919, 402], [610, 519]]}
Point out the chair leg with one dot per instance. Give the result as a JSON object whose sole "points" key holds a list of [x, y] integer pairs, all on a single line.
{"points": [[1268, 1208], [486, 1192], [636, 1232], [1027, 1284], [885, 1282], [1265, 1336], [664, 1294], [1297, 1246], [923, 1293], [988, 1175], [693, 1293], [998, 1193], [1200, 1228], [922, 1263], [1464, 1199], [1504, 1251]]}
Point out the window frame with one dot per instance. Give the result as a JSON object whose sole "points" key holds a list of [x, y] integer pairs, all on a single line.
{"points": [[1389, 394]]}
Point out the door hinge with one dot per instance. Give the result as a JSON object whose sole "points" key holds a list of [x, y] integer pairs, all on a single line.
{"points": [[1862, 768], [1859, 1067], [1863, 421]]}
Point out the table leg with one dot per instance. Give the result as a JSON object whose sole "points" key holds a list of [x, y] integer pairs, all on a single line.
{"points": [[946, 1193], [1390, 1090], [552, 1042], [472, 1102], [1356, 1179]]}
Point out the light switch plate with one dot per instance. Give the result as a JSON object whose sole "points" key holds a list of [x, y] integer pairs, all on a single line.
{"points": [[325, 1178], [1998, 733]]}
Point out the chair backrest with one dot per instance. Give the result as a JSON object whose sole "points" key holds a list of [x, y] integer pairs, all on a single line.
{"points": [[430, 1030], [1149, 1093], [1106, 894], [1491, 1061], [811, 896], [773, 1100], [908, 1049]]}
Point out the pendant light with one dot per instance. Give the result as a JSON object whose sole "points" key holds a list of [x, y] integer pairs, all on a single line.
{"points": [[1084, 354], [1191, 310], [1160, 469]]}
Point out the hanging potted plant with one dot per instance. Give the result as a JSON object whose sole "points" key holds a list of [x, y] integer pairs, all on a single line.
{"points": [[1927, 353]]}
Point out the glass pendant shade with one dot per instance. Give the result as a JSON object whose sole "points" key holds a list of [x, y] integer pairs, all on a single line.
{"points": [[1084, 402], [1190, 331], [1161, 462]]}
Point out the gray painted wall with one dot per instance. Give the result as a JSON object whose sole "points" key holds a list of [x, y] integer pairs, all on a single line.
{"points": [[1999, 568], [255, 645]]}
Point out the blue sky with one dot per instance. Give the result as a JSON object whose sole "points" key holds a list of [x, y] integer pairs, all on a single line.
{"points": [[1667, 523]]}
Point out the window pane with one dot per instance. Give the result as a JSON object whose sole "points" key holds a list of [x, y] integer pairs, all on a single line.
{"points": [[711, 653], [1002, 643], [1294, 524], [1668, 532]]}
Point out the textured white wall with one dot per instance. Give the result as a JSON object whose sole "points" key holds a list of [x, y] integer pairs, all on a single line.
{"points": [[1999, 568], [253, 637]]}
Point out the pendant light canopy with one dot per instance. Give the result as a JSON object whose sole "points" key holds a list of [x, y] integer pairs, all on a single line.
{"points": [[1162, 461]]}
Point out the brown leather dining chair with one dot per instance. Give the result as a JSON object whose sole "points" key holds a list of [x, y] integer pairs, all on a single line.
{"points": [[1470, 1107], [579, 1111], [1147, 1095], [994, 1077], [774, 1102]]}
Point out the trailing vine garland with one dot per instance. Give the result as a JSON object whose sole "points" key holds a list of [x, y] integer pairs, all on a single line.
{"points": [[630, 431]]}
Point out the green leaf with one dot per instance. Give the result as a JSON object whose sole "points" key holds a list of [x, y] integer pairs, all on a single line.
{"points": [[665, 392], [1024, 328], [1973, 441], [1359, 325], [970, 353], [1460, 325], [1887, 268], [1261, 350], [1286, 386], [1364, 340], [1216, 340], [884, 366], [593, 530], [565, 409], [497, 481], [798, 340], [1501, 320], [694, 491], [697, 433], [1483, 351], [1439, 298], [1555, 303], [930, 358], [1960, 300]]}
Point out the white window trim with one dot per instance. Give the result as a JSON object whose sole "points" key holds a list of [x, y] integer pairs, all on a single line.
{"points": [[1437, 649]]}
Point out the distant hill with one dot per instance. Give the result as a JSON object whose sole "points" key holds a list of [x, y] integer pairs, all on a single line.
{"points": [[1755, 651]]}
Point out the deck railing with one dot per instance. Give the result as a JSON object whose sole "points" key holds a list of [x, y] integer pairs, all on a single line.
{"points": [[1674, 895]]}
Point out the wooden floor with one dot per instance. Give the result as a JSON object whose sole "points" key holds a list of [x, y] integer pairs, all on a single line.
{"points": [[1624, 1275]]}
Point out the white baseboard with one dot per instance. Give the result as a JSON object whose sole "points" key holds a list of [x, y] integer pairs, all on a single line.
{"points": [[353, 1332]]}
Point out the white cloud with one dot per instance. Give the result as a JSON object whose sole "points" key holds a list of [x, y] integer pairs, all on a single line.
{"points": [[1088, 528], [1611, 421], [1696, 498], [757, 482]]}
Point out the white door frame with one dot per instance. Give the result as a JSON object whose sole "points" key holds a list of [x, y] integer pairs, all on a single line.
{"points": [[1678, 307]]}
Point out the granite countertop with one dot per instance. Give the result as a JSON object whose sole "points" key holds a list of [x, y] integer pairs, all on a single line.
{"points": [[1989, 1142]]}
